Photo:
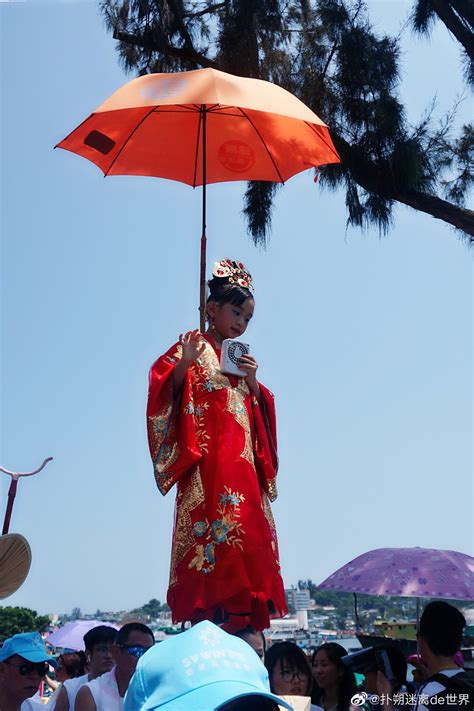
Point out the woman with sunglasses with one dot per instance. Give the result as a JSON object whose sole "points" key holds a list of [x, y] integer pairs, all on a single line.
{"points": [[288, 670], [24, 663]]}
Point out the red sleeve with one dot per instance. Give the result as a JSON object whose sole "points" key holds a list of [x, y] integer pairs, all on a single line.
{"points": [[266, 456], [171, 431]]}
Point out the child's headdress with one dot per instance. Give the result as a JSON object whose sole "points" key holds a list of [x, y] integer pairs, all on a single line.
{"points": [[236, 272]]}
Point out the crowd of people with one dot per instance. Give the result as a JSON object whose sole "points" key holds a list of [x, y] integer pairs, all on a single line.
{"points": [[206, 668]]}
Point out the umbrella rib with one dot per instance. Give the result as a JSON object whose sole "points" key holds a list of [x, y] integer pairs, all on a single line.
{"points": [[312, 127], [197, 149], [264, 144], [164, 110], [127, 140]]}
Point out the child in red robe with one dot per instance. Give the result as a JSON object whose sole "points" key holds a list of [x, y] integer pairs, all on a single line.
{"points": [[214, 436]]}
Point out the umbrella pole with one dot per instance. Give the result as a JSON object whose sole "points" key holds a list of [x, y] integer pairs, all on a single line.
{"points": [[11, 499], [356, 612], [202, 283]]}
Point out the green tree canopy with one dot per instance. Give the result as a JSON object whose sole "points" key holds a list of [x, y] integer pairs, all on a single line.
{"points": [[20, 619], [151, 609], [328, 54]]}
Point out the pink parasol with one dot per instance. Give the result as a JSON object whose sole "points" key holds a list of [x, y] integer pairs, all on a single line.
{"points": [[406, 572], [71, 636]]}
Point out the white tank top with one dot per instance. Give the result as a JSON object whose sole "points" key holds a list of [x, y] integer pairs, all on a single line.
{"points": [[72, 687], [105, 692]]}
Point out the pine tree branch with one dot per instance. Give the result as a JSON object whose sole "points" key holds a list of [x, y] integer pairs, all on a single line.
{"points": [[373, 178], [206, 11], [454, 25], [465, 10], [183, 53], [459, 217]]}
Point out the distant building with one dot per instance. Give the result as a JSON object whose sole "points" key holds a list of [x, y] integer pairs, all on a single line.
{"points": [[297, 600]]}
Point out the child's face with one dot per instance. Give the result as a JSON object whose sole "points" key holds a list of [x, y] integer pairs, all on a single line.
{"points": [[231, 321]]}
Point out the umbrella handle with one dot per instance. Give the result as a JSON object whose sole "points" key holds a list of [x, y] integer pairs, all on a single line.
{"points": [[12, 491]]}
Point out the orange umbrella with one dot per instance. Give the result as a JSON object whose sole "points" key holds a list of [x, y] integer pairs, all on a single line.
{"points": [[200, 127]]}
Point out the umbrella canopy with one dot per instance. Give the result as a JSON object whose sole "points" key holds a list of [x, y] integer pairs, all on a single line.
{"points": [[15, 561], [71, 636], [199, 127], [154, 125], [410, 572]]}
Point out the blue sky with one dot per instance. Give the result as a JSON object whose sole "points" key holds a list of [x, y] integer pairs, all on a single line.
{"points": [[365, 341]]}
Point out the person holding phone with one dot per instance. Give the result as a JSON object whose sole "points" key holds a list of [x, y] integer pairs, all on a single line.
{"points": [[214, 436]]}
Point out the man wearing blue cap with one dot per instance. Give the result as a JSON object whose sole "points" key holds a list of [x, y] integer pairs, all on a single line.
{"points": [[23, 663], [202, 669]]}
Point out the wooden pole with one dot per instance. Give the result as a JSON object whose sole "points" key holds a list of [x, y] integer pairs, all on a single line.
{"points": [[202, 283]]}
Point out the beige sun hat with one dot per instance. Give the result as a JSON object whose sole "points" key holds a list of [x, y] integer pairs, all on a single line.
{"points": [[15, 561]]}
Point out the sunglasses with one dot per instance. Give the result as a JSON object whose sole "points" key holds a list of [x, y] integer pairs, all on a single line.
{"points": [[135, 650], [26, 667]]}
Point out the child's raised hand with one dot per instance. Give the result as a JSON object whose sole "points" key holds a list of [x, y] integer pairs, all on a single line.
{"points": [[192, 344]]}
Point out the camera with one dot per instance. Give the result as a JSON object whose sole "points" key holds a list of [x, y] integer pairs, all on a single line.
{"points": [[368, 660]]}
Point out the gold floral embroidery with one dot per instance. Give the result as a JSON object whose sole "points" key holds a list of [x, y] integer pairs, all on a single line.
{"points": [[201, 431], [236, 406], [272, 489], [271, 522], [208, 372], [164, 453], [226, 529], [164, 482], [183, 540]]}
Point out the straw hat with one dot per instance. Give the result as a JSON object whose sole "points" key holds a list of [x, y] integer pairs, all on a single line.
{"points": [[15, 561]]}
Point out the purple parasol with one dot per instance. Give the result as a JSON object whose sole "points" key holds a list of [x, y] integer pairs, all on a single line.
{"points": [[406, 572], [71, 636]]}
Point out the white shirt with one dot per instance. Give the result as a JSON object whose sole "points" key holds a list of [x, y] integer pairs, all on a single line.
{"points": [[32, 704], [105, 692], [72, 687]]}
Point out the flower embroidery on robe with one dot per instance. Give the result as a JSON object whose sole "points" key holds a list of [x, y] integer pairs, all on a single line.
{"points": [[226, 529]]}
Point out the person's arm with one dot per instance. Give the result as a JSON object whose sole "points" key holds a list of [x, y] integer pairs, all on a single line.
{"points": [[62, 702], [84, 701], [52, 683], [193, 345]]}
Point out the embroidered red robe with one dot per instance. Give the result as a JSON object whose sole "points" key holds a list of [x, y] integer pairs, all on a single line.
{"points": [[218, 445]]}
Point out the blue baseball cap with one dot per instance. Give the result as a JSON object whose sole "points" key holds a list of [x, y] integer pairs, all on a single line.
{"points": [[28, 645], [200, 669]]}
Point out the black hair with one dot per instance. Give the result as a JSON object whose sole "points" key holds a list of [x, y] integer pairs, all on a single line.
{"points": [[74, 663], [222, 291], [347, 686], [125, 631], [249, 630], [293, 655], [441, 626], [99, 635]]}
